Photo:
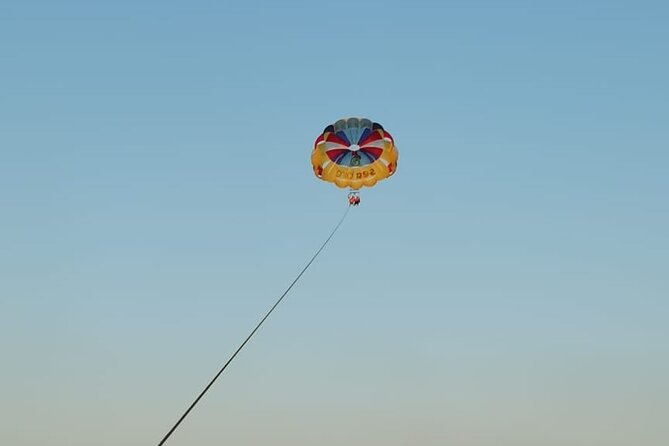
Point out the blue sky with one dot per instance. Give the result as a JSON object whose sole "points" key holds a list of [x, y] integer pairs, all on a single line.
{"points": [[507, 287]]}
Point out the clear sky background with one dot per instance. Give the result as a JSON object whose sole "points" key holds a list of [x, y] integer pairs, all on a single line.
{"points": [[508, 287]]}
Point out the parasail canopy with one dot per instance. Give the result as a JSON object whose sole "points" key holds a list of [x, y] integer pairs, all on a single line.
{"points": [[354, 152]]}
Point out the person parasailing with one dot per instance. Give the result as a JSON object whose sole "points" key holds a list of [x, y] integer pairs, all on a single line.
{"points": [[354, 153], [353, 198]]}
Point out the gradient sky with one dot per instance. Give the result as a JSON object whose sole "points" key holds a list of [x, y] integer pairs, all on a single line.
{"points": [[508, 287]]}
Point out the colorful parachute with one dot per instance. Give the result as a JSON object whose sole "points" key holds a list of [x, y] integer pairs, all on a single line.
{"points": [[354, 152]]}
